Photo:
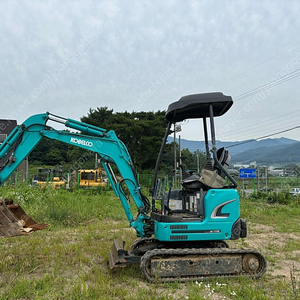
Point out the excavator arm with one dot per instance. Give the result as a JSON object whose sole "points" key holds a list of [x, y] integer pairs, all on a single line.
{"points": [[183, 241], [24, 138]]}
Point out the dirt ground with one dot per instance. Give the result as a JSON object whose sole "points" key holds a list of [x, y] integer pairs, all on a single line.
{"points": [[271, 244]]}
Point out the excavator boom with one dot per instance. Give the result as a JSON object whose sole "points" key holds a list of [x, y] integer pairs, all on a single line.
{"points": [[24, 138], [185, 237]]}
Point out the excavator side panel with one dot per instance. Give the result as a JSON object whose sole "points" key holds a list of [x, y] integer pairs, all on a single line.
{"points": [[222, 207]]}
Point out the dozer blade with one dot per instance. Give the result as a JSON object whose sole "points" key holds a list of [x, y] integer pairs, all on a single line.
{"points": [[119, 257], [14, 221]]}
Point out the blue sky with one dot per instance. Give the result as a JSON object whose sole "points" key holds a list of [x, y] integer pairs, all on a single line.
{"points": [[69, 56]]}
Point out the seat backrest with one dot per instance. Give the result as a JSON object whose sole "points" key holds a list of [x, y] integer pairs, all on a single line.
{"points": [[224, 159]]}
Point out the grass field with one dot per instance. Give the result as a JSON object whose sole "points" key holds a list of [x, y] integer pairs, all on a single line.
{"points": [[68, 260]]}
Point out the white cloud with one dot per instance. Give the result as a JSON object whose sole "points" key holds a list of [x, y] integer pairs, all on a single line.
{"points": [[206, 43]]}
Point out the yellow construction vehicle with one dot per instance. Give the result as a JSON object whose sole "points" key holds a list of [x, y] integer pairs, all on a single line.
{"points": [[182, 231], [56, 183], [92, 178], [46, 177]]}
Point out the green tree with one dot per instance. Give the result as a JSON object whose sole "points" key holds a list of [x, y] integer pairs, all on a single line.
{"points": [[189, 161], [101, 117], [141, 132], [49, 152]]}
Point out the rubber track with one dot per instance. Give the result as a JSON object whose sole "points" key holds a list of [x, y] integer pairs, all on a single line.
{"points": [[146, 258]]}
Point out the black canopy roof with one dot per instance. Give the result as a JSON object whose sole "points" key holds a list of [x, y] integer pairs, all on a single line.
{"points": [[197, 106]]}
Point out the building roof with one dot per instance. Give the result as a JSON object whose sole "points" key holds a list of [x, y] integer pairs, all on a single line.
{"points": [[6, 126]]}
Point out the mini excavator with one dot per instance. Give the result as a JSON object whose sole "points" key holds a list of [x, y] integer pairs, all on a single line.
{"points": [[182, 233]]}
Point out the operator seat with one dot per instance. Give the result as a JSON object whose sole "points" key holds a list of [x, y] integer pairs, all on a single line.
{"points": [[212, 175], [224, 158]]}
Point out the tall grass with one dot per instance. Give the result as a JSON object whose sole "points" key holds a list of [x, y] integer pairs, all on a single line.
{"points": [[69, 259], [65, 208]]}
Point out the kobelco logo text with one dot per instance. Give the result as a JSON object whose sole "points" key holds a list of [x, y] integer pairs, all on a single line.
{"points": [[81, 142]]}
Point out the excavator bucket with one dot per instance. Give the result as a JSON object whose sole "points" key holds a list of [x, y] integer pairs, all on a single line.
{"points": [[14, 221]]}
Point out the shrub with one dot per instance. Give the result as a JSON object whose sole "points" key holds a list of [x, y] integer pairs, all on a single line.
{"points": [[280, 198], [275, 197], [258, 196]]}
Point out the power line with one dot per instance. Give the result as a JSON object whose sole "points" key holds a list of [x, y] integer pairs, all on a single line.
{"points": [[266, 86], [257, 124], [269, 85], [266, 136], [266, 129], [258, 65], [282, 131]]}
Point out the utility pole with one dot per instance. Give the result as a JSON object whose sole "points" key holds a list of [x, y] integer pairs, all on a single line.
{"points": [[257, 178], [177, 128], [96, 161], [175, 164], [180, 161], [267, 177]]}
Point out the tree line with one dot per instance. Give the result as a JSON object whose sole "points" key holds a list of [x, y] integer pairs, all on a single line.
{"points": [[141, 132]]}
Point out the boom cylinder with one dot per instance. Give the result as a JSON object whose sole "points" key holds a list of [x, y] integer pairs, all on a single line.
{"points": [[86, 128], [6, 146]]}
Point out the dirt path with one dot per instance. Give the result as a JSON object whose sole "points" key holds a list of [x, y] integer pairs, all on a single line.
{"points": [[274, 246]]}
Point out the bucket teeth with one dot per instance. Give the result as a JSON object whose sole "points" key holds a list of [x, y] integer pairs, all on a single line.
{"points": [[14, 221]]}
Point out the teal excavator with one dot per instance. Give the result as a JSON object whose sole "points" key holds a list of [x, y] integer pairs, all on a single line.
{"points": [[182, 233]]}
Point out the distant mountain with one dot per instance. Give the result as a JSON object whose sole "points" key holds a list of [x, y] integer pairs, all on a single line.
{"points": [[276, 154], [280, 150], [235, 147]]}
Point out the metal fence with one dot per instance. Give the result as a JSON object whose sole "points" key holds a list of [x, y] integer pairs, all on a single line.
{"points": [[267, 184]]}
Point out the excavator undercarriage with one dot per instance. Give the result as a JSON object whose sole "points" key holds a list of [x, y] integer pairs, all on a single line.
{"points": [[183, 231], [173, 262], [170, 265]]}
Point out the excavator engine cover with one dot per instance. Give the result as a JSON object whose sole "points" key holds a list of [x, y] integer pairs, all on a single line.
{"points": [[14, 221]]}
